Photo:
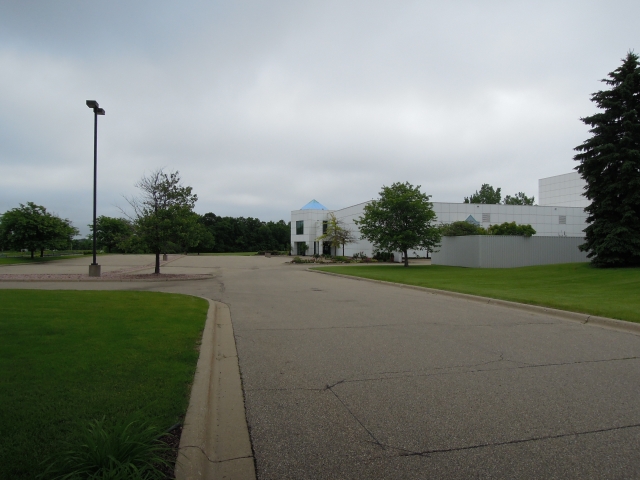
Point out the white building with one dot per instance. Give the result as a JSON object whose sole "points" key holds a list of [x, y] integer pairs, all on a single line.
{"points": [[547, 220], [562, 191]]}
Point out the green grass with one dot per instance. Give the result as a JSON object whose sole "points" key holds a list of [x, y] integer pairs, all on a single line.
{"points": [[67, 357], [14, 260], [576, 287]]}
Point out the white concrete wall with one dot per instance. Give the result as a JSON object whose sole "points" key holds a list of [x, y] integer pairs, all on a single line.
{"points": [[545, 220], [562, 191], [312, 227], [501, 251]]}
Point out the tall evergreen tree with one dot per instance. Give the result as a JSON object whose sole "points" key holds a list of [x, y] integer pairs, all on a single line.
{"points": [[610, 164]]}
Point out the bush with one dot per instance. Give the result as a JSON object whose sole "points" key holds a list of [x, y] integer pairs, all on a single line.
{"points": [[507, 228], [382, 256], [461, 228]]}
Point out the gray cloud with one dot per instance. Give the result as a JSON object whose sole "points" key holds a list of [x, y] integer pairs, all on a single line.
{"points": [[265, 105]]}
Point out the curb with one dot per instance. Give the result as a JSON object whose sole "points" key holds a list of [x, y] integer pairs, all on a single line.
{"points": [[103, 279], [215, 438], [584, 318]]}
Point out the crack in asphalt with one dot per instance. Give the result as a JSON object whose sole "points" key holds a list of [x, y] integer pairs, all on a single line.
{"points": [[409, 374], [406, 324], [433, 373], [215, 461], [523, 440], [375, 440]]}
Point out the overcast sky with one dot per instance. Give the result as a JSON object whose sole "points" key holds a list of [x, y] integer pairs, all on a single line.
{"points": [[263, 106]]}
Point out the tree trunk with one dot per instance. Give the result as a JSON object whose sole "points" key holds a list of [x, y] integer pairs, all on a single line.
{"points": [[406, 259], [32, 252], [41, 252], [343, 249], [157, 270]]}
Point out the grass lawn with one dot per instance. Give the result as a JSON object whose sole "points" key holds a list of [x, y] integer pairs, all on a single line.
{"points": [[14, 260], [71, 356], [577, 287]]}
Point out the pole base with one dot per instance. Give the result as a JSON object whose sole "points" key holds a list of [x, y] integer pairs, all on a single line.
{"points": [[94, 270]]}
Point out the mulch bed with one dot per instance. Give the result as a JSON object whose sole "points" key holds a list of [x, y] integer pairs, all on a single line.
{"points": [[172, 440]]}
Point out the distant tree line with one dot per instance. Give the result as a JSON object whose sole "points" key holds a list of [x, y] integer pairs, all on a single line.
{"points": [[163, 221], [240, 234], [212, 234]]}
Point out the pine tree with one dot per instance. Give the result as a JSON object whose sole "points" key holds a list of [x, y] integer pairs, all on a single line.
{"points": [[610, 165]]}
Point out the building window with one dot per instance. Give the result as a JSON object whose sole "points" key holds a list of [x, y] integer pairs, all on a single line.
{"points": [[486, 218], [562, 219], [299, 227], [324, 226]]}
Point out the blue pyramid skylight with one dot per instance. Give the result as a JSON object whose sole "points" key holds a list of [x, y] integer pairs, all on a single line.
{"points": [[314, 205]]}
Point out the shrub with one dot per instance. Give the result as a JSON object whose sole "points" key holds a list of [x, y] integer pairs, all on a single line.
{"points": [[382, 256], [126, 450], [461, 228], [507, 228]]}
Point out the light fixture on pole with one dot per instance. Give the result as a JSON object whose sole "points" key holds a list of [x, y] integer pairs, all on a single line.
{"points": [[94, 268]]}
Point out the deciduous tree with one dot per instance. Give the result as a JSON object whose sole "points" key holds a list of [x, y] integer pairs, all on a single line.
{"points": [[32, 228], [486, 195], [518, 199], [111, 232], [400, 220], [163, 213], [337, 233]]}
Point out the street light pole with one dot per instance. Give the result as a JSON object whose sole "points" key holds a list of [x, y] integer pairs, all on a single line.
{"points": [[94, 268]]}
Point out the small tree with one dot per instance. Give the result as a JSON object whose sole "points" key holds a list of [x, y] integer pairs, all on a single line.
{"points": [[31, 227], [400, 220], [163, 213], [518, 199], [337, 233], [486, 195], [346, 237], [610, 165]]}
